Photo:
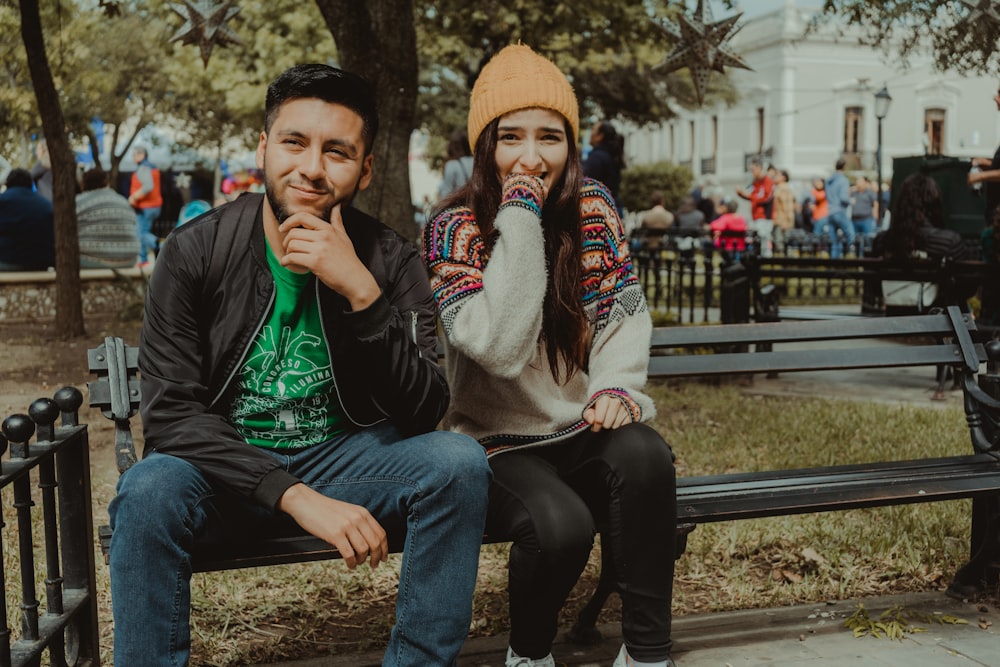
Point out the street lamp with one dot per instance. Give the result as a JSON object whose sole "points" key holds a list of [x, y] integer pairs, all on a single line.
{"points": [[882, 100]]}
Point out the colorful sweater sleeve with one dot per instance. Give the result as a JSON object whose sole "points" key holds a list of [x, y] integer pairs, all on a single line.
{"points": [[491, 312], [619, 353]]}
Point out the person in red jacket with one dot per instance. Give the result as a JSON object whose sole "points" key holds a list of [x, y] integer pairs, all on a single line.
{"points": [[760, 194], [729, 231], [144, 195]]}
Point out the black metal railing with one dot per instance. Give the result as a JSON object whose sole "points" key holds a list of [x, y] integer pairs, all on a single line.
{"points": [[683, 275], [57, 460]]}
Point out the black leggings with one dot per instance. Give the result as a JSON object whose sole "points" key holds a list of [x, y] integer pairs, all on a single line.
{"points": [[548, 502]]}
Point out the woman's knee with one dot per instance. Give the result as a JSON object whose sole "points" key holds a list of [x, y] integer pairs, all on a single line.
{"points": [[637, 452], [552, 521]]}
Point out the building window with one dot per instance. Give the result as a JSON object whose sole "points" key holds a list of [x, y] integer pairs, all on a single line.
{"points": [[934, 131], [852, 137]]}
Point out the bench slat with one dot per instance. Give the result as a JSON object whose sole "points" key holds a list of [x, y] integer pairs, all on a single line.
{"points": [[779, 493], [937, 324], [686, 365]]}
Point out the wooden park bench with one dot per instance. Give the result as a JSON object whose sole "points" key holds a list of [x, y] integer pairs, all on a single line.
{"points": [[944, 338]]}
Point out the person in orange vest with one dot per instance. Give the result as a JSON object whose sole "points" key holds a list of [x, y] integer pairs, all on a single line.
{"points": [[144, 196]]}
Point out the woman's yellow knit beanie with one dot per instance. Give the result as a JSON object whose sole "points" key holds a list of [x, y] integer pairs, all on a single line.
{"points": [[518, 78]]}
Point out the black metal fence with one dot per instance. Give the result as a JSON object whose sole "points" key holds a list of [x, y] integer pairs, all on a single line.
{"points": [[685, 276], [55, 459], [694, 283]]}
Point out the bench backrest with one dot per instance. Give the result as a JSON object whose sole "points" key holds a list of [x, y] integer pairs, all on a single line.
{"points": [[940, 338]]}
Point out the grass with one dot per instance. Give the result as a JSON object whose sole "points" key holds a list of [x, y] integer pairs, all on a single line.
{"points": [[785, 560], [266, 614]]}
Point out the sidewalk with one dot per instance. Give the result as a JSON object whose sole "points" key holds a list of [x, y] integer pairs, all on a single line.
{"points": [[809, 635]]}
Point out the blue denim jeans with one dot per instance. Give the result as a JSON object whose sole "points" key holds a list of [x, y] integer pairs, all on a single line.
{"points": [[839, 220], [145, 217], [432, 488]]}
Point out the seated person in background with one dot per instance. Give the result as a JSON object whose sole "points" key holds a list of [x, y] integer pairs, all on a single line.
{"points": [[655, 222], [917, 231], [688, 219], [27, 234], [105, 224], [729, 230]]}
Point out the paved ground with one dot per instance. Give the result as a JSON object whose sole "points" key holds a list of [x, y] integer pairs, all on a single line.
{"points": [[807, 635]]}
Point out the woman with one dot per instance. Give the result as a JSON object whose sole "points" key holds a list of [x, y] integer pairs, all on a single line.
{"points": [[917, 232], [547, 337], [918, 224]]}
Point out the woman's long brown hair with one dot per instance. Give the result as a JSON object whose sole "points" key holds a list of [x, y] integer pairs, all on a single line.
{"points": [[565, 330]]}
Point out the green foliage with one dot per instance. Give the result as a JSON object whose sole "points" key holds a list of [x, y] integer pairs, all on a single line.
{"points": [[639, 182], [607, 48], [958, 41]]}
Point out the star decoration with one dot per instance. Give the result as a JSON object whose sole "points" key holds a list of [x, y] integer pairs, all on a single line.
{"points": [[182, 181], [205, 25], [981, 9], [701, 46]]}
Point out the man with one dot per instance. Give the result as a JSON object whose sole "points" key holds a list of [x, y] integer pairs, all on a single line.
{"points": [[105, 224], [760, 194], [144, 196], [27, 234], [289, 373], [987, 172], [838, 199], [864, 206], [606, 159]]}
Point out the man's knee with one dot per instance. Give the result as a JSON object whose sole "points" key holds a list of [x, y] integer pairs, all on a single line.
{"points": [[157, 486], [459, 462]]}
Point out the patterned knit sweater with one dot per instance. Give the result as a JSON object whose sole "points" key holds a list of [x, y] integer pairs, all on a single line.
{"points": [[503, 392]]}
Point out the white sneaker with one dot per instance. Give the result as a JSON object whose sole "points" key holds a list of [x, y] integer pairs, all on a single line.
{"points": [[514, 660], [625, 660]]}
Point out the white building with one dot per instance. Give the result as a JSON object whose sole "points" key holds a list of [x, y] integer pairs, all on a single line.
{"points": [[810, 99]]}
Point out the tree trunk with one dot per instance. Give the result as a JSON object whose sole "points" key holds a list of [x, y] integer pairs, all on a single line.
{"points": [[69, 302], [378, 40]]}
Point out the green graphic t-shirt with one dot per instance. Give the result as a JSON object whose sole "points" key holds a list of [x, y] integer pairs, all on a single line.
{"points": [[287, 398]]}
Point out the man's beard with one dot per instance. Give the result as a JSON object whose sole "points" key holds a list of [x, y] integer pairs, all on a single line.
{"points": [[280, 208]]}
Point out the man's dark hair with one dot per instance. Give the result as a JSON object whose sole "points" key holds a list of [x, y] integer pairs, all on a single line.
{"points": [[785, 174], [330, 85], [94, 179], [19, 178], [841, 163]]}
